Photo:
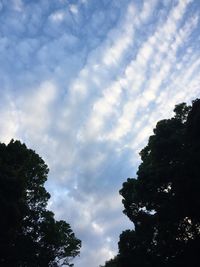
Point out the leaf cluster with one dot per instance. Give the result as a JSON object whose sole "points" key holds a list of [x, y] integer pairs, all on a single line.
{"points": [[163, 202], [29, 234]]}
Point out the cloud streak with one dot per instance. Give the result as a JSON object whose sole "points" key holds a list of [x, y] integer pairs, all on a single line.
{"points": [[84, 85]]}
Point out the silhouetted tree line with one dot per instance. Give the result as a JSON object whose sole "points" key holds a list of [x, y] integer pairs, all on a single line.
{"points": [[164, 201], [29, 234]]}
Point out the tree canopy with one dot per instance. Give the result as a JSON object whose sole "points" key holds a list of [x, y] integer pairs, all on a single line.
{"points": [[29, 234], [163, 202]]}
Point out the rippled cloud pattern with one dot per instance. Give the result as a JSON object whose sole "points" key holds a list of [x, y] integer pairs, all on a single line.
{"points": [[83, 83]]}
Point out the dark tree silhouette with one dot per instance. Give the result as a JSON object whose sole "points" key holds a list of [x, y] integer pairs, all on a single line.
{"points": [[111, 263], [163, 202], [29, 234]]}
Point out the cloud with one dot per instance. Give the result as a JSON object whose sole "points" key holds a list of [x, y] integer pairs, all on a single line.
{"points": [[18, 5], [84, 85], [57, 16], [73, 9], [35, 109], [8, 120]]}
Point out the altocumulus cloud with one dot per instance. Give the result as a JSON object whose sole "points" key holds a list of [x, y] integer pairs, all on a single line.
{"points": [[83, 83]]}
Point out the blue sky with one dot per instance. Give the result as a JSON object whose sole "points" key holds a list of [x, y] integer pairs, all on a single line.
{"points": [[83, 83]]}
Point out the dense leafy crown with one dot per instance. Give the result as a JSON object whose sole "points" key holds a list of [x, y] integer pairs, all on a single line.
{"points": [[29, 234], [163, 202]]}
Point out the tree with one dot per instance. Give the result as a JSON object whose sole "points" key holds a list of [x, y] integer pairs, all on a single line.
{"points": [[29, 234], [163, 202], [111, 263]]}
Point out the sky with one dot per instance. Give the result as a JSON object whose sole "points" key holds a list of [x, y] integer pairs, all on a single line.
{"points": [[83, 83]]}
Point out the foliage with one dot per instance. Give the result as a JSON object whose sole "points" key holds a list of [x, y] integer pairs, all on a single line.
{"points": [[112, 263], [163, 202], [29, 234]]}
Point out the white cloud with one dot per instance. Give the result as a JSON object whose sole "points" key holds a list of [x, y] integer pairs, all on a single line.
{"points": [[57, 16], [97, 228], [8, 120], [35, 108], [73, 9], [147, 9], [86, 91], [161, 65]]}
